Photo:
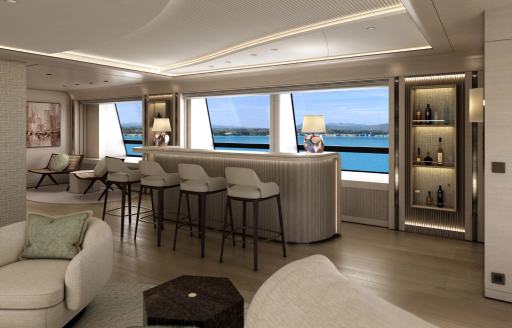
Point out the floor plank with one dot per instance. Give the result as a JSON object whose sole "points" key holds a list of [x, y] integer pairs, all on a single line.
{"points": [[440, 280]]}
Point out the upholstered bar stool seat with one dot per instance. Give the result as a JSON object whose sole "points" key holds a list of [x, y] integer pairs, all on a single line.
{"points": [[124, 177], [244, 185], [195, 181], [153, 177]]}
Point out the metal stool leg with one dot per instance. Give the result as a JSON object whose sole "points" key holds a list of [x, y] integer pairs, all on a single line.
{"points": [[105, 202], [244, 222], [202, 220], [177, 221], [160, 215], [129, 195], [123, 205], [153, 207], [232, 225], [255, 205], [283, 241], [224, 228], [138, 212], [189, 217]]}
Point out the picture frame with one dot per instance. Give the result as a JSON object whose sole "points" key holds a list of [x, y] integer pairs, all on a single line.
{"points": [[43, 124]]}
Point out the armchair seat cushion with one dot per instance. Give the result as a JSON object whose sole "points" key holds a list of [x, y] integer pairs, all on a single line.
{"points": [[32, 284]]}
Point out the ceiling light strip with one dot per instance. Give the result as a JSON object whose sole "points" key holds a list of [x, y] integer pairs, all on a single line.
{"points": [[303, 61], [299, 30]]}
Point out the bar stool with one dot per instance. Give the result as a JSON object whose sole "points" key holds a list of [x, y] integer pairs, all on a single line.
{"points": [[120, 175], [153, 177], [244, 185], [195, 181]]}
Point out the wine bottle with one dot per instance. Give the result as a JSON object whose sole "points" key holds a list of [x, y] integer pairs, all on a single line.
{"points": [[419, 117], [430, 200], [418, 157], [428, 160], [440, 197], [440, 152], [428, 114]]}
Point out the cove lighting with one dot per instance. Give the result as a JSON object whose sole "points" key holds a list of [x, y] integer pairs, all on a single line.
{"points": [[435, 226]]}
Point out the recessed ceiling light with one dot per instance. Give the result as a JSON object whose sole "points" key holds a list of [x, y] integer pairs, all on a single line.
{"points": [[11, 1], [211, 66], [64, 86], [228, 62], [49, 74], [105, 81], [274, 49], [254, 55], [371, 28], [77, 83], [91, 82]]}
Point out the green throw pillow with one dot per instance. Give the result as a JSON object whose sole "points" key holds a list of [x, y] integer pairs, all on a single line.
{"points": [[54, 237], [58, 162], [101, 168]]}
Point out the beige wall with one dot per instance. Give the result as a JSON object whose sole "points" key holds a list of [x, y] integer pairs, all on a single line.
{"points": [[498, 132], [38, 157], [92, 135], [13, 86]]}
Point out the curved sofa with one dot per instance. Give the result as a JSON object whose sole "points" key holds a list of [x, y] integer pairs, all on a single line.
{"points": [[49, 293], [312, 293]]}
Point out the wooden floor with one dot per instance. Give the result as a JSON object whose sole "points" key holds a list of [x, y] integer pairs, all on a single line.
{"points": [[439, 280]]}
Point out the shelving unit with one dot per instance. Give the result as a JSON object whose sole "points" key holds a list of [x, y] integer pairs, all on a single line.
{"points": [[425, 136]]}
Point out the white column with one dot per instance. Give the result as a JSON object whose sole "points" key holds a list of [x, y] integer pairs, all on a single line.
{"points": [[498, 133]]}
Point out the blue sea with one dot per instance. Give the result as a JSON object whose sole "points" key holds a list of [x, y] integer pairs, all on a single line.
{"points": [[350, 161]]}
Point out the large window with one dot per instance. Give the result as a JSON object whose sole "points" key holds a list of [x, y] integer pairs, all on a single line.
{"points": [[240, 122], [356, 121], [130, 120]]}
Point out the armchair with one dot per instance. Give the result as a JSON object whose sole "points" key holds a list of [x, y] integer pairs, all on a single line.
{"points": [[49, 293]]}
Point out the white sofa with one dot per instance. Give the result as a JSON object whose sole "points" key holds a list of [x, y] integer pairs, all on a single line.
{"points": [[49, 293], [312, 293]]}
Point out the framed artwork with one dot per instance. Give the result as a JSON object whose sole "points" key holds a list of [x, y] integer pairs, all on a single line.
{"points": [[43, 124]]}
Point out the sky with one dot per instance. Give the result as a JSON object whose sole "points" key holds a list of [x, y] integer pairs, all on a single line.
{"points": [[130, 112], [352, 105]]}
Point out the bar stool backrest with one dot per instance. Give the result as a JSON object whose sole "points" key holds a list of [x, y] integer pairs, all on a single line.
{"points": [[116, 165], [242, 176], [148, 168], [192, 172]]}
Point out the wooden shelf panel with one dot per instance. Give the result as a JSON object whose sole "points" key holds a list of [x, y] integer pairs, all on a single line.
{"points": [[433, 166]]}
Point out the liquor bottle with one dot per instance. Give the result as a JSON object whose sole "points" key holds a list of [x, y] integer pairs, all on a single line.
{"points": [[446, 113], [419, 117], [430, 200], [428, 160], [428, 114], [440, 197], [418, 157], [440, 152]]}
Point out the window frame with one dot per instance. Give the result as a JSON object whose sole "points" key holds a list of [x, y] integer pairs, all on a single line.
{"points": [[127, 141], [247, 146], [343, 149]]}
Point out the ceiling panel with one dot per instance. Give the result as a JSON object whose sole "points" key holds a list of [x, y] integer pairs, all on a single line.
{"points": [[58, 25], [188, 29], [359, 37]]}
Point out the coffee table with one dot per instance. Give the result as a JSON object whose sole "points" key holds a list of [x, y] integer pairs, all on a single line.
{"points": [[209, 302]]}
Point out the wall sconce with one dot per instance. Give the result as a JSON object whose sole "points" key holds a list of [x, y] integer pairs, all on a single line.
{"points": [[476, 105]]}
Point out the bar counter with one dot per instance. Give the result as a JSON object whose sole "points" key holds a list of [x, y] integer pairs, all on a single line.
{"points": [[310, 186]]}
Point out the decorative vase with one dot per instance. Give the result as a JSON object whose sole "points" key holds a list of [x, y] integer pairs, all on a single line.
{"points": [[313, 143]]}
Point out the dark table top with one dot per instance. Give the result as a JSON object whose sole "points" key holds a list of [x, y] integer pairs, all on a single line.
{"points": [[192, 300]]}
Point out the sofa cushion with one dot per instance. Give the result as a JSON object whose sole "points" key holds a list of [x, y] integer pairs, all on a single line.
{"points": [[101, 168], [58, 162], [54, 237], [32, 284]]}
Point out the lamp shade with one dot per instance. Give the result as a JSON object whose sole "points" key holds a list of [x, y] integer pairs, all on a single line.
{"points": [[161, 125], [313, 124], [476, 105]]}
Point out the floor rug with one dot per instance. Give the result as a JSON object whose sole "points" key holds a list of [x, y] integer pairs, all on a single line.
{"points": [[117, 306], [57, 194]]}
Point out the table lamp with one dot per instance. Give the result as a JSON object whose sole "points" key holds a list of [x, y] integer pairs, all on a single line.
{"points": [[310, 125], [161, 125]]}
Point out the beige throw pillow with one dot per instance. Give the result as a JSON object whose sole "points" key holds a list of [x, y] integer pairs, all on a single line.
{"points": [[54, 237]]}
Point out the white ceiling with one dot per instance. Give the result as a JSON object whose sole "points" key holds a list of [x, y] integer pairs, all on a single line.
{"points": [[135, 42]]}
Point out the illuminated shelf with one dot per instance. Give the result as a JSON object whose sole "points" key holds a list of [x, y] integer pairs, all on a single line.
{"points": [[433, 166], [436, 125], [435, 208]]}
